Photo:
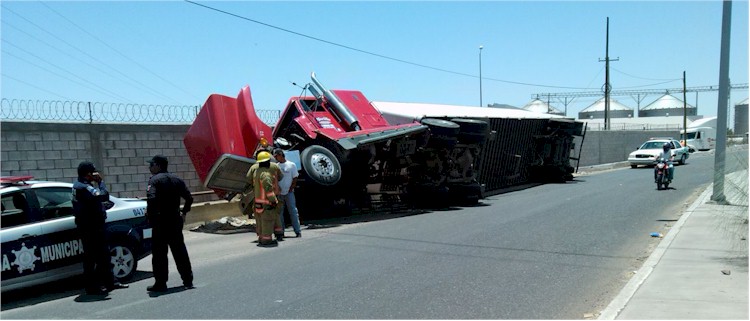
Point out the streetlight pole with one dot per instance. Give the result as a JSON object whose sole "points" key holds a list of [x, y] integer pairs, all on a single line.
{"points": [[480, 75]]}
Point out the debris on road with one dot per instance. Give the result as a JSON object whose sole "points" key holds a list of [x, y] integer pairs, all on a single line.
{"points": [[656, 234], [226, 225]]}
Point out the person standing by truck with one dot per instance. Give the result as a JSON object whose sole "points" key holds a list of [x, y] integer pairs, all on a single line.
{"points": [[163, 211], [286, 186], [89, 195], [263, 178]]}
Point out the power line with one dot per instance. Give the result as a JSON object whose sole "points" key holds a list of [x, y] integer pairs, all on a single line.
{"points": [[627, 74], [152, 91], [99, 88], [30, 85], [118, 52], [372, 53]]}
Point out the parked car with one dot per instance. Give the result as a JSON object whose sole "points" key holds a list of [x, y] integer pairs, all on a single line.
{"points": [[40, 242], [700, 138], [647, 153]]}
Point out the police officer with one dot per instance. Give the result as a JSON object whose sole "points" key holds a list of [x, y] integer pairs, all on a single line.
{"points": [[163, 211], [263, 178], [89, 195]]}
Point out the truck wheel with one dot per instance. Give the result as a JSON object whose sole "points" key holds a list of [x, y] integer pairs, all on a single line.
{"points": [[473, 131], [124, 262], [321, 165], [443, 133]]}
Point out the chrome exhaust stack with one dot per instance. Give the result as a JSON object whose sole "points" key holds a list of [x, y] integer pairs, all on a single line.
{"points": [[337, 106]]}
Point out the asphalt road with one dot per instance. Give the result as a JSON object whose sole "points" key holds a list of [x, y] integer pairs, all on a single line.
{"points": [[555, 251]]}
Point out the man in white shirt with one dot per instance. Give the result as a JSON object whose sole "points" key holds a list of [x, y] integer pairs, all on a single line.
{"points": [[287, 184]]}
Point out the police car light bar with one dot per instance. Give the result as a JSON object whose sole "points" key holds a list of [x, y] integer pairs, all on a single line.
{"points": [[15, 179]]}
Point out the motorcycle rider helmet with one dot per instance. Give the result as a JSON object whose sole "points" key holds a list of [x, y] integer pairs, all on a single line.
{"points": [[666, 147], [263, 157]]}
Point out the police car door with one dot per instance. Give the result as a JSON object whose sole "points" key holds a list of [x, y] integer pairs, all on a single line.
{"points": [[22, 240], [63, 252]]}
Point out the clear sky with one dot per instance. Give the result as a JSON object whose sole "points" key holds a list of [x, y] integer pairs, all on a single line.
{"points": [[177, 52]]}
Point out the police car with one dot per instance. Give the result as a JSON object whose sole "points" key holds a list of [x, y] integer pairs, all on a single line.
{"points": [[40, 242]]}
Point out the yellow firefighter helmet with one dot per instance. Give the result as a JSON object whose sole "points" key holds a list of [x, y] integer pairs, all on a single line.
{"points": [[263, 157]]}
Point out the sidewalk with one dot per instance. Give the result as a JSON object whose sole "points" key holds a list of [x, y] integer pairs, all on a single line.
{"points": [[700, 268]]}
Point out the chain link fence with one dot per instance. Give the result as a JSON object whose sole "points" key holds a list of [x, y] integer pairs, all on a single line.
{"points": [[98, 112]]}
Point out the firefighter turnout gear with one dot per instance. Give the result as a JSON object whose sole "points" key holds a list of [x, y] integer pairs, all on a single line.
{"points": [[263, 178]]}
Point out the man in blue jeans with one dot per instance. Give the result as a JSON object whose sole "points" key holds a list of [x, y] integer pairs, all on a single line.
{"points": [[287, 184]]}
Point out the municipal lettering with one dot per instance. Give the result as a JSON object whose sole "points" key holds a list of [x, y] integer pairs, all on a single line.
{"points": [[61, 250], [6, 263]]}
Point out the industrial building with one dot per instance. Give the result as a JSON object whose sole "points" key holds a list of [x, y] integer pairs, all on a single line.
{"points": [[596, 110], [667, 105], [740, 118], [539, 106]]}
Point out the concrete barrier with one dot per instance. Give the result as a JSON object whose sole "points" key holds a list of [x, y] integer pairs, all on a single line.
{"points": [[200, 213]]}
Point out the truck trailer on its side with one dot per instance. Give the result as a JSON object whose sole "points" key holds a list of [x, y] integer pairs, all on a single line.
{"points": [[343, 145], [352, 152]]}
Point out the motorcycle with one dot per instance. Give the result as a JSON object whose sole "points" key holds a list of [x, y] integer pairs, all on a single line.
{"points": [[662, 174]]}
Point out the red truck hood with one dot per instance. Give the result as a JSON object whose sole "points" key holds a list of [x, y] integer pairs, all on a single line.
{"points": [[225, 125]]}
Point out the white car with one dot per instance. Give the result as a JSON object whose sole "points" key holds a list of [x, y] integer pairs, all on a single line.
{"points": [[40, 242], [647, 153]]}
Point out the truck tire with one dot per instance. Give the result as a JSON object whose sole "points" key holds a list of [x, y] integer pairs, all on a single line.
{"points": [[473, 131], [443, 133], [321, 165]]}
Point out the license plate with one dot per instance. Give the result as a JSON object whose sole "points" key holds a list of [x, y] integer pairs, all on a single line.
{"points": [[406, 148]]}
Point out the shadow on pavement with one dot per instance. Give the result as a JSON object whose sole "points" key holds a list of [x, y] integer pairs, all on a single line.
{"points": [[84, 298], [57, 290], [171, 290]]}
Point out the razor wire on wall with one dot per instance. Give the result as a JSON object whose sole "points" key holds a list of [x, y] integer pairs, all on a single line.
{"points": [[98, 112]]}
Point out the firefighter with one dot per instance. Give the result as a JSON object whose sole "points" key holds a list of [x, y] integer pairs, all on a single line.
{"points": [[263, 178]]}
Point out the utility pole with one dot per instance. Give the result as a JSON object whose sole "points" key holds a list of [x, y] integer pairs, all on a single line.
{"points": [[607, 85], [684, 108], [480, 76], [721, 114]]}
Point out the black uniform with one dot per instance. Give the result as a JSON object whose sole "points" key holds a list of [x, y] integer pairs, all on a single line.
{"points": [[90, 215], [164, 193]]}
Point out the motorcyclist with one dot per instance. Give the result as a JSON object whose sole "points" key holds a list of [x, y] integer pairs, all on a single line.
{"points": [[666, 154]]}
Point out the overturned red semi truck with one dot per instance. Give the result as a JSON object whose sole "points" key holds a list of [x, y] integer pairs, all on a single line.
{"points": [[346, 150]]}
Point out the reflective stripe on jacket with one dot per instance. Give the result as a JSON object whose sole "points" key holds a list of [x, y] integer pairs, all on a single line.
{"points": [[265, 186]]}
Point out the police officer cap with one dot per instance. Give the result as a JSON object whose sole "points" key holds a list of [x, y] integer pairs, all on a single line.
{"points": [[85, 168], [159, 160]]}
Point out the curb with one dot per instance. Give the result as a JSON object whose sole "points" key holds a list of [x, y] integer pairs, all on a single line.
{"points": [[601, 167], [627, 292]]}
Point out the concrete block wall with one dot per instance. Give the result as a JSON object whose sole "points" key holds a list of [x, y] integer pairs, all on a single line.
{"points": [[601, 147], [52, 151]]}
